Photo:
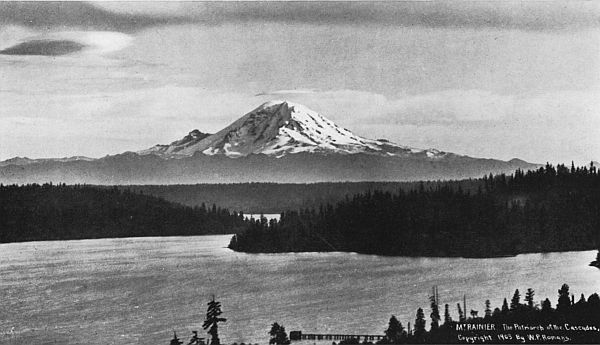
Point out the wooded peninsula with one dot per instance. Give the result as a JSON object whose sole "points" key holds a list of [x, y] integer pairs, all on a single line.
{"points": [[548, 209]]}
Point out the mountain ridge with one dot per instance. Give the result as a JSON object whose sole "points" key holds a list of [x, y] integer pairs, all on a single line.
{"points": [[131, 168], [278, 141]]}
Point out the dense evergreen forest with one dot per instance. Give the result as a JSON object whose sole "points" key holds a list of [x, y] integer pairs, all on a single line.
{"points": [[571, 321], [549, 209], [277, 197], [60, 212], [575, 320]]}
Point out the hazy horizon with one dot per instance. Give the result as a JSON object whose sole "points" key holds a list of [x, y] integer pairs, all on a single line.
{"points": [[485, 79]]}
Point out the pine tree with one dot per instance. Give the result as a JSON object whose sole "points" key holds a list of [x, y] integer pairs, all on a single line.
{"points": [[278, 335], [505, 308], [594, 301], [497, 312], [582, 300], [447, 317], [546, 305], [488, 309], [529, 298], [593, 304], [546, 309], [419, 331], [395, 333], [564, 302], [212, 320], [435, 312], [515, 302], [461, 314]]}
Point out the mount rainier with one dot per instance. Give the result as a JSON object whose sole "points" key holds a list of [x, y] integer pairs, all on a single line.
{"points": [[279, 128], [277, 142]]}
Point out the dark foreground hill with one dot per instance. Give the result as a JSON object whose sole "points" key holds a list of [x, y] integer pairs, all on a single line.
{"points": [[550, 209], [51, 212]]}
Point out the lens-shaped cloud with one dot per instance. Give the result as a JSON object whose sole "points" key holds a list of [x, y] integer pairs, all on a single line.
{"points": [[65, 43], [44, 47]]}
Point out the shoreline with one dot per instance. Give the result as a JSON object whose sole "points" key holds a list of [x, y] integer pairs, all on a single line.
{"points": [[301, 252]]}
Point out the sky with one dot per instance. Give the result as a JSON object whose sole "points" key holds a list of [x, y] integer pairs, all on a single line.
{"points": [[486, 79]]}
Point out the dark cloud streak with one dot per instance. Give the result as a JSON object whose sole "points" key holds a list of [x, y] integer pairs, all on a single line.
{"points": [[470, 14], [80, 15], [44, 47], [538, 16]]}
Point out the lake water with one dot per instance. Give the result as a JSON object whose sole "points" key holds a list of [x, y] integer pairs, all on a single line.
{"points": [[138, 290]]}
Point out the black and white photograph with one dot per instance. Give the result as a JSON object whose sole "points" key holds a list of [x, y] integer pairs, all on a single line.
{"points": [[299, 172]]}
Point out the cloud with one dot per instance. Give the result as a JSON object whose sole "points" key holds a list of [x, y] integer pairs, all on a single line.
{"points": [[350, 107], [96, 42], [44, 47], [65, 43], [133, 16], [533, 15], [453, 107], [45, 15], [449, 106], [287, 92]]}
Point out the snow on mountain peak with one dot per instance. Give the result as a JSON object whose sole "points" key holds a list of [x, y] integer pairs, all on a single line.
{"points": [[192, 138], [278, 128]]}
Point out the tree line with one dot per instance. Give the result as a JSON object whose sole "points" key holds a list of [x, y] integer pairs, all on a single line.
{"points": [[576, 315], [548, 209], [62, 212], [583, 313], [264, 197]]}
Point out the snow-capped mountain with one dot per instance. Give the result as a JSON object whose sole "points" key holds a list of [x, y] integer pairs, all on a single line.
{"points": [[276, 142], [279, 128]]}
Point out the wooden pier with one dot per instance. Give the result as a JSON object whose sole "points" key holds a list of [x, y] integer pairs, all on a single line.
{"points": [[298, 335]]}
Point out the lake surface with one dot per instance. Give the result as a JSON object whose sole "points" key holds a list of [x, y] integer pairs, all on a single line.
{"points": [[138, 290]]}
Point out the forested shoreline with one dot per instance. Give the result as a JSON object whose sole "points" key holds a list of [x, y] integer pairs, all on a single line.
{"points": [[549, 209], [514, 322], [65, 212], [574, 319]]}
